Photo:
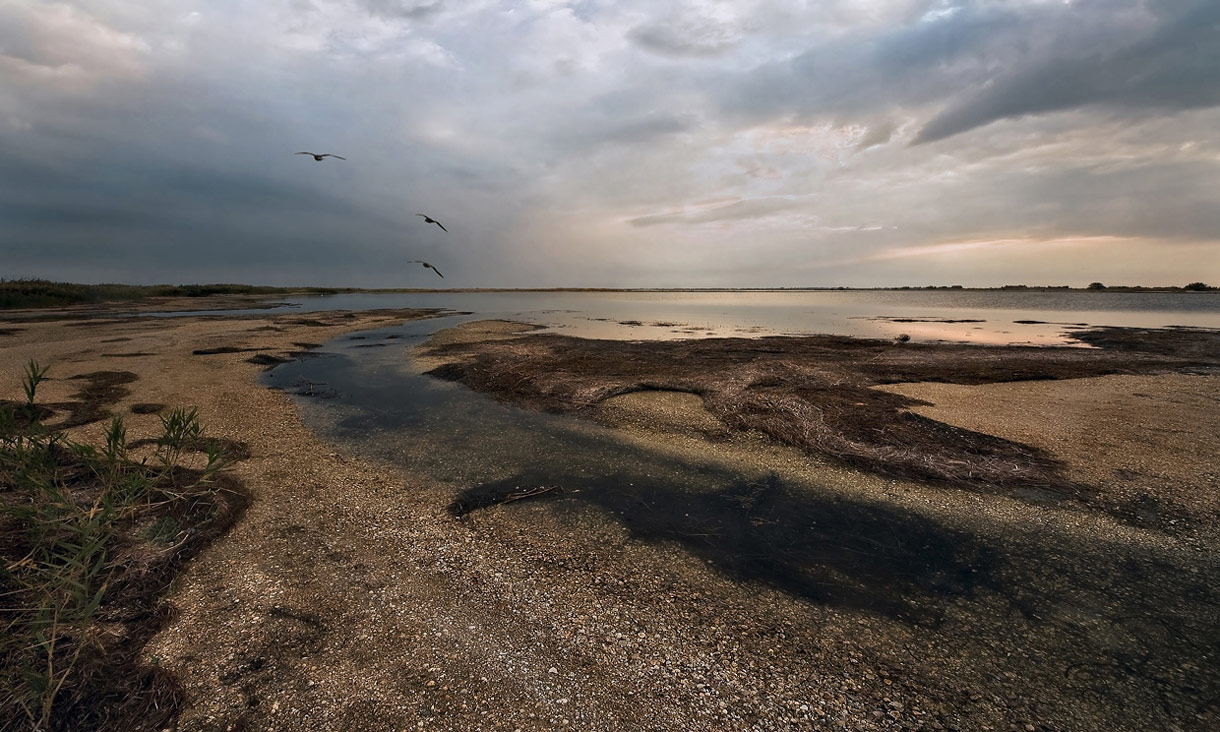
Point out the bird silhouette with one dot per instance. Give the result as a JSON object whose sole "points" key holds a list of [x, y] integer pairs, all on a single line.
{"points": [[323, 155], [434, 269], [429, 220]]}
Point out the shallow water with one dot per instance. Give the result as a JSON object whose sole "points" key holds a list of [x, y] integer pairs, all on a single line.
{"points": [[372, 398], [991, 317]]}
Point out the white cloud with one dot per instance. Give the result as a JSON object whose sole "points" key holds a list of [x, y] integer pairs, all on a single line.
{"points": [[63, 47], [656, 140]]}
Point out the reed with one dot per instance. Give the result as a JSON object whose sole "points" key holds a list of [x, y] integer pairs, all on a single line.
{"points": [[89, 539]]}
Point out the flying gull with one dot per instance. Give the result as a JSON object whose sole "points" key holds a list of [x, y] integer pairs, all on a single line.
{"points": [[323, 155], [434, 269], [429, 220]]}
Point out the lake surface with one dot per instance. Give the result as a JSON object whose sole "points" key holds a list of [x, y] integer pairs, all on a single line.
{"points": [[992, 317]]}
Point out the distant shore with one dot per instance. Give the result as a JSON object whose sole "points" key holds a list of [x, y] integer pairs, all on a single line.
{"points": [[39, 294]]}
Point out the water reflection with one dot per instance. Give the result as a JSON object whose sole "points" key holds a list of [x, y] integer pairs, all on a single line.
{"points": [[990, 317]]}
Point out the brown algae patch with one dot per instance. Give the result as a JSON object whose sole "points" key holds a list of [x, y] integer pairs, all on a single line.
{"points": [[815, 392]]}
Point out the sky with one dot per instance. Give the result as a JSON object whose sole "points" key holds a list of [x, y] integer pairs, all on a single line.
{"points": [[611, 143]]}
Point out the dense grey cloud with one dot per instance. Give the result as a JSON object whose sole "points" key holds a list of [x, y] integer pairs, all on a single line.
{"points": [[688, 32], [982, 62], [688, 142], [404, 8], [1169, 61]]}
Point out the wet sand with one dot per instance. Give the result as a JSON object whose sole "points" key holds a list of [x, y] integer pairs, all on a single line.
{"points": [[349, 598]]}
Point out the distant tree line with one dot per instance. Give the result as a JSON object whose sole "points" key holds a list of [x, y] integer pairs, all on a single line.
{"points": [[30, 293], [925, 287], [1192, 287]]}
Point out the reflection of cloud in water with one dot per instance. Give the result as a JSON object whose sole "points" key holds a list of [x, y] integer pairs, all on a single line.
{"points": [[1022, 335], [610, 315]]}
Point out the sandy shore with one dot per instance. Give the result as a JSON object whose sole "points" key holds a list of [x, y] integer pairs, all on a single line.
{"points": [[348, 598]]}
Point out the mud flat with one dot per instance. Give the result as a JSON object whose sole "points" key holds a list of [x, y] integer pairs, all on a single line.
{"points": [[865, 581]]}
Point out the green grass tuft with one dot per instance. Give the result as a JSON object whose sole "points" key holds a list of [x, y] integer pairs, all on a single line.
{"points": [[89, 539]]}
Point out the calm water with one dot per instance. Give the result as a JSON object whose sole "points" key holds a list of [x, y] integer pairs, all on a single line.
{"points": [[970, 316]]}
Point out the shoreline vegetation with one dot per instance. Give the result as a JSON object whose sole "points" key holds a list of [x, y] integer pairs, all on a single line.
{"points": [[20, 294], [38, 293], [90, 539]]}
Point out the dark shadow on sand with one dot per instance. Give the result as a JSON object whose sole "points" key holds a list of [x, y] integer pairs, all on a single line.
{"points": [[823, 549]]}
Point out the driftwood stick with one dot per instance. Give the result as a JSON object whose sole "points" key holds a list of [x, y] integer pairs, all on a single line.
{"points": [[530, 493]]}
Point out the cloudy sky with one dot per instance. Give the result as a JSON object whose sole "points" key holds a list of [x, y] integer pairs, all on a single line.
{"points": [[611, 142]]}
